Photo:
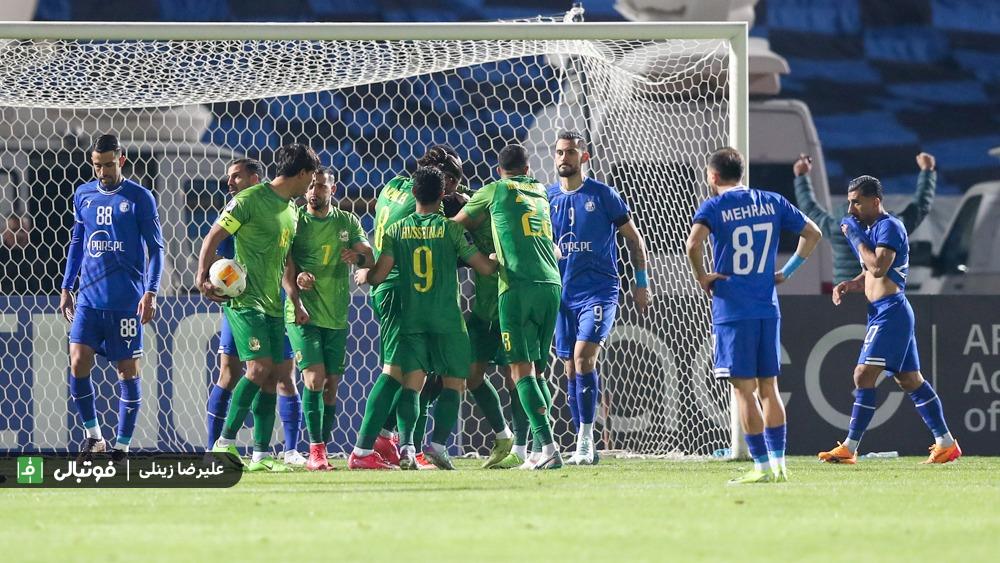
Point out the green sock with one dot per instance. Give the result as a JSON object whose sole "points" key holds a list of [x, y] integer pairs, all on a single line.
{"points": [[407, 413], [534, 407], [329, 420], [381, 401], [263, 420], [243, 396], [543, 387], [519, 419], [445, 415], [312, 408], [489, 402], [390, 421], [429, 394]]}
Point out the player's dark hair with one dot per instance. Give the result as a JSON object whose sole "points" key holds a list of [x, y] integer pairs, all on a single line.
{"points": [[291, 159], [428, 184], [444, 158], [575, 136], [867, 186], [513, 158], [331, 175], [107, 142], [728, 163], [252, 166]]}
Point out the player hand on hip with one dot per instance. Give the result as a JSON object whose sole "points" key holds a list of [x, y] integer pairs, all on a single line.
{"points": [[306, 281], [708, 280], [641, 297], [147, 307], [208, 291], [779, 278], [67, 305]]}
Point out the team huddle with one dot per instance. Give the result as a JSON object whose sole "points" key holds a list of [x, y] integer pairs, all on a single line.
{"points": [[544, 262]]}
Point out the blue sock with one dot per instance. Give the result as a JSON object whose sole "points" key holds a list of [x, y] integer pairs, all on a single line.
{"points": [[758, 450], [571, 400], [775, 439], [129, 401], [218, 406], [82, 389], [861, 413], [929, 406], [586, 393], [290, 411]]}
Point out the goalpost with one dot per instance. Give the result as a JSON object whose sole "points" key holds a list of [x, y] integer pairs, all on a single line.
{"points": [[654, 99]]}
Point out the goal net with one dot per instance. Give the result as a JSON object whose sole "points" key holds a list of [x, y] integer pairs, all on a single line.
{"points": [[186, 99]]}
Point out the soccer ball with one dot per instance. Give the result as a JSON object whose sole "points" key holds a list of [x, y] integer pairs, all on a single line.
{"points": [[228, 277]]}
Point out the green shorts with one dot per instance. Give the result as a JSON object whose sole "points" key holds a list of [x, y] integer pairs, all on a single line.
{"points": [[484, 336], [256, 334], [528, 321], [446, 354], [317, 345], [387, 305]]}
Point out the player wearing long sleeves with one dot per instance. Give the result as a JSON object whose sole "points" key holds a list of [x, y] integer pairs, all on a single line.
{"points": [[116, 257]]}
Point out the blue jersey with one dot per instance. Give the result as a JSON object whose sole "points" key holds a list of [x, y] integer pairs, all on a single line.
{"points": [[889, 232], [584, 223], [227, 248], [745, 227], [114, 232]]}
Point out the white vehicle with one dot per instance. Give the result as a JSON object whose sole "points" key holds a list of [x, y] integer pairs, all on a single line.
{"points": [[967, 261]]}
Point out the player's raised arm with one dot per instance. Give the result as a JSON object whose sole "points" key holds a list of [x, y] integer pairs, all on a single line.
{"points": [[637, 254], [205, 259]]}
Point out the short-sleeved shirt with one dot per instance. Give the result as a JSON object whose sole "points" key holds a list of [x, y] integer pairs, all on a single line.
{"points": [[889, 232], [264, 225], [746, 225], [120, 227], [585, 222], [316, 249], [426, 250], [522, 230], [394, 202]]}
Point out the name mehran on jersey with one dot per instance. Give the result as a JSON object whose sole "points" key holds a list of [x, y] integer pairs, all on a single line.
{"points": [[747, 212]]}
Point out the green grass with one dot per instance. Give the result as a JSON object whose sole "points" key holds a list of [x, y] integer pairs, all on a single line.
{"points": [[880, 510]]}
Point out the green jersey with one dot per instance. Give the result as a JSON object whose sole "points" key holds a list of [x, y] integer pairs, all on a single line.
{"points": [[394, 202], [316, 249], [426, 249], [522, 230], [263, 224]]}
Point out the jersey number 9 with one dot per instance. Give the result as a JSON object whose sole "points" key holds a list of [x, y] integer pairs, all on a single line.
{"points": [[423, 268]]}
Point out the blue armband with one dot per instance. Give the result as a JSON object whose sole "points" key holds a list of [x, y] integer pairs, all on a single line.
{"points": [[793, 264], [641, 281]]}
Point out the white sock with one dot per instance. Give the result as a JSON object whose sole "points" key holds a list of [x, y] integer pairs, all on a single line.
{"points": [[121, 447], [587, 431], [852, 445], [548, 450], [760, 466], [385, 433], [520, 451], [405, 451], [777, 463], [257, 456], [438, 448], [94, 432], [361, 452], [505, 433], [945, 441], [223, 442]]}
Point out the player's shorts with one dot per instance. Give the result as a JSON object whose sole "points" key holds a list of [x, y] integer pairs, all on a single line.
{"points": [[447, 354], [527, 321], [589, 323], [257, 335], [484, 337], [747, 348], [890, 341], [317, 345], [387, 305], [116, 335], [227, 344]]}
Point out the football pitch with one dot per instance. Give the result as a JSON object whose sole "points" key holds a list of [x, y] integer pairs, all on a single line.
{"points": [[621, 510]]}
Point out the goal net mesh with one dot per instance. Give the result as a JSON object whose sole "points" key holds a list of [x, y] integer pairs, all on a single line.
{"points": [[652, 110]]}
